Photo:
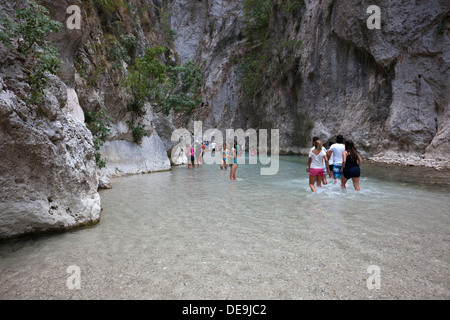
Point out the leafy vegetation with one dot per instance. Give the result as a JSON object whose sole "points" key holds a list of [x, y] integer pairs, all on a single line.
{"points": [[118, 51], [28, 35], [110, 5], [137, 131], [99, 125], [256, 19], [292, 6], [265, 60], [168, 87], [167, 31]]}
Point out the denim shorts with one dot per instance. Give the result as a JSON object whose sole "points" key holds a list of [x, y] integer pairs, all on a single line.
{"points": [[353, 172]]}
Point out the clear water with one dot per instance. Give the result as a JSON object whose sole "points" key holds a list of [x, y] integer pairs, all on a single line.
{"points": [[193, 234]]}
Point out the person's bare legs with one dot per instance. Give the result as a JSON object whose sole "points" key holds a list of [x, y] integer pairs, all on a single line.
{"points": [[356, 183], [233, 172], [343, 182], [319, 181], [324, 179], [311, 183]]}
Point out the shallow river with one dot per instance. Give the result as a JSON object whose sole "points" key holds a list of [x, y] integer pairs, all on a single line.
{"points": [[193, 234]]}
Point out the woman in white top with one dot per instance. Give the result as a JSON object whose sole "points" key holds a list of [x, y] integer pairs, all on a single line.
{"points": [[324, 177], [315, 165]]}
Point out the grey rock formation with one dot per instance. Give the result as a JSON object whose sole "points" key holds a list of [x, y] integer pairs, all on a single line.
{"points": [[415, 52], [124, 157], [48, 178], [104, 182], [74, 105], [99, 86], [210, 33], [387, 89], [47, 170]]}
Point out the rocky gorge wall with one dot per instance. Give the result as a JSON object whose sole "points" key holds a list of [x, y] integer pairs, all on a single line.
{"points": [[99, 66], [48, 173], [386, 89], [48, 177]]}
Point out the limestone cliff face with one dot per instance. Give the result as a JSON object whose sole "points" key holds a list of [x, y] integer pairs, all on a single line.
{"points": [[48, 177], [387, 89], [48, 174], [211, 33], [95, 63], [98, 66]]}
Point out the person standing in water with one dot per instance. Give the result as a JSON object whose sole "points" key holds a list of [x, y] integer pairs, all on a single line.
{"points": [[234, 165], [336, 151], [198, 153], [324, 177], [213, 148], [351, 162], [190, 156], [203, 149], [316, 166], [224, 164], [330, 161]]}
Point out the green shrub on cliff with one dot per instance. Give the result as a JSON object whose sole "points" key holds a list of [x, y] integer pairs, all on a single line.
{"points": [[27, 34], [117, 52], [265, 60], [110, 5], [137, 131], [168, 87], [99, 125], [256, 19]]}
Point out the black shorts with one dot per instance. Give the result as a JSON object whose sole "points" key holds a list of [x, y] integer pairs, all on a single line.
{"points": [[192, 159], [331, 167], [353, 172]]}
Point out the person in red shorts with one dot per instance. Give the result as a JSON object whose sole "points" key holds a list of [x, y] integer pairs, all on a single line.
{"points": [[316, 166]]}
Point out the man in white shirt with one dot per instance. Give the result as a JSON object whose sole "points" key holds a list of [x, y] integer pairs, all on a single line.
{"points": [[335, 153], [324, 177]]}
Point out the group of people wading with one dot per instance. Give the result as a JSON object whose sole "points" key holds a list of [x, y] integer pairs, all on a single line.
{"points": [[341, 161], [195, 154]]}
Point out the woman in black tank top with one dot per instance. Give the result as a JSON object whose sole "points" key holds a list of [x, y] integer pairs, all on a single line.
{"points": [[351, 160]]}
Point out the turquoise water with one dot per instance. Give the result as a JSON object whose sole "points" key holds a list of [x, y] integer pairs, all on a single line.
{"points": [[193, 234]]}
